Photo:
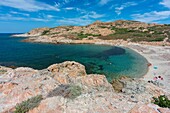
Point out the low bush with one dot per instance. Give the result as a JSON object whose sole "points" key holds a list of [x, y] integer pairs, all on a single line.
{"points": [[67, 91], [103, 26], [75, 91], [29, 104], [3, 71], [158, 39], [162, 101], [81, 36], [45, 32]]}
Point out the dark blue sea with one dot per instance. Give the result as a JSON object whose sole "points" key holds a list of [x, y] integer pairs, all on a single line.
{"points": [[98, 59]]}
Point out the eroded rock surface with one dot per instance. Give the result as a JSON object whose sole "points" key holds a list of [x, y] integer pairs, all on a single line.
{"points": [[97, 95]]}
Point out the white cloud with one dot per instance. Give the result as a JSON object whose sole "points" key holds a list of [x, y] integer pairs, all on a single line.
{"points": [[86, 19], [113, 6], [61, 3], [6, 17], [74, 21], [165, 3], [104, 2], [67, 1], [87, 4], [57, 4], [28, 5], [19, 13], [82, 11], [118, 10], [69, 8], [50, 16], [40, 19], [153, 16], [93, 14], [9, 17]]}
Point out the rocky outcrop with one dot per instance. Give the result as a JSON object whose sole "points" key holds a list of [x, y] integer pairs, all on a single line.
{"points": [[72, 69], [20, 84], [92, 93]]}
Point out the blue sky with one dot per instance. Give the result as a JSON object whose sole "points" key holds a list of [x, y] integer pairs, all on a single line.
{"points": [[23, 15]]}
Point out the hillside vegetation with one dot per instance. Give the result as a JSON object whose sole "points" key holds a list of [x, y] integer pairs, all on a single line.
{"points": [[122, 29]]}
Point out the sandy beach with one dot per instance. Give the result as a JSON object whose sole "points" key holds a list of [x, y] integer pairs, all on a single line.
{"points": [[159, 57]]}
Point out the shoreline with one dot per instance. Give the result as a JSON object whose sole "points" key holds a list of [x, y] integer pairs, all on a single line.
{"points": [[23, 82], [158, 57], [37, 38], [146, 49]]}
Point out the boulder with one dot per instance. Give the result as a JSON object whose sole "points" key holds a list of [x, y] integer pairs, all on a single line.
{"points": [[66, 71], [117, 85]]}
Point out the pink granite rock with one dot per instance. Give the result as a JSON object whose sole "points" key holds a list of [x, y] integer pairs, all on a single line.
{"points": [[143, 108], [164, 110], [97, 94]]}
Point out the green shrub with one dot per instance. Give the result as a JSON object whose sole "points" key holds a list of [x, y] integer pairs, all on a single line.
{"points": [[139, 34], [103, 26], [29, 104], [45, 32], [54, 33], [162, 101], [167, 24], [121, 30], [3, 71], [74, 91], [161, 38], [67, 91], [113, 28], [148, 35], [81, 36]]}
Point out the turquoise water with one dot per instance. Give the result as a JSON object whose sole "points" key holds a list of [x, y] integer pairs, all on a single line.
{"points": [[109, 60]]}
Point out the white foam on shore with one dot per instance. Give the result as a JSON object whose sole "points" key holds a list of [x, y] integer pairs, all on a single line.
{"points": [[25, 35]]}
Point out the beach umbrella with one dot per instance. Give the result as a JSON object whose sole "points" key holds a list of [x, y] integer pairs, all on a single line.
{"points": [[155, 67]]}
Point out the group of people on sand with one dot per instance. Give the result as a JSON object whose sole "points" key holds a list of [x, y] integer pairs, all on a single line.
{"points": [[156, 79]]}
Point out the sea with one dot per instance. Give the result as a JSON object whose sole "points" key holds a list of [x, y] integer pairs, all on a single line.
{"points": [[112, 61]]}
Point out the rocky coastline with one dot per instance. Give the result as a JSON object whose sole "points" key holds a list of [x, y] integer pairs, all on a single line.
{"points": [[66, 88], [63, 40], [97, 95]]}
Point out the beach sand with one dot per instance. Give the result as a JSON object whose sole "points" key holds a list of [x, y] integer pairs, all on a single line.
{"points": [[159, 57]]}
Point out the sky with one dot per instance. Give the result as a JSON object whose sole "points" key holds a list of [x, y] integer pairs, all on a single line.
{"points": [[19, 16]]}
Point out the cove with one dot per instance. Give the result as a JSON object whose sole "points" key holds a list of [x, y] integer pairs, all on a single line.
{"points": [[111, 61]]}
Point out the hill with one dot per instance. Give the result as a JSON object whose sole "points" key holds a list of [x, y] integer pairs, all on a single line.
{"points": [[126, 30]]}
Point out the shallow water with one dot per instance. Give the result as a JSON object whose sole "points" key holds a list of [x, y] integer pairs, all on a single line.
{"points": [[109, 60]]}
